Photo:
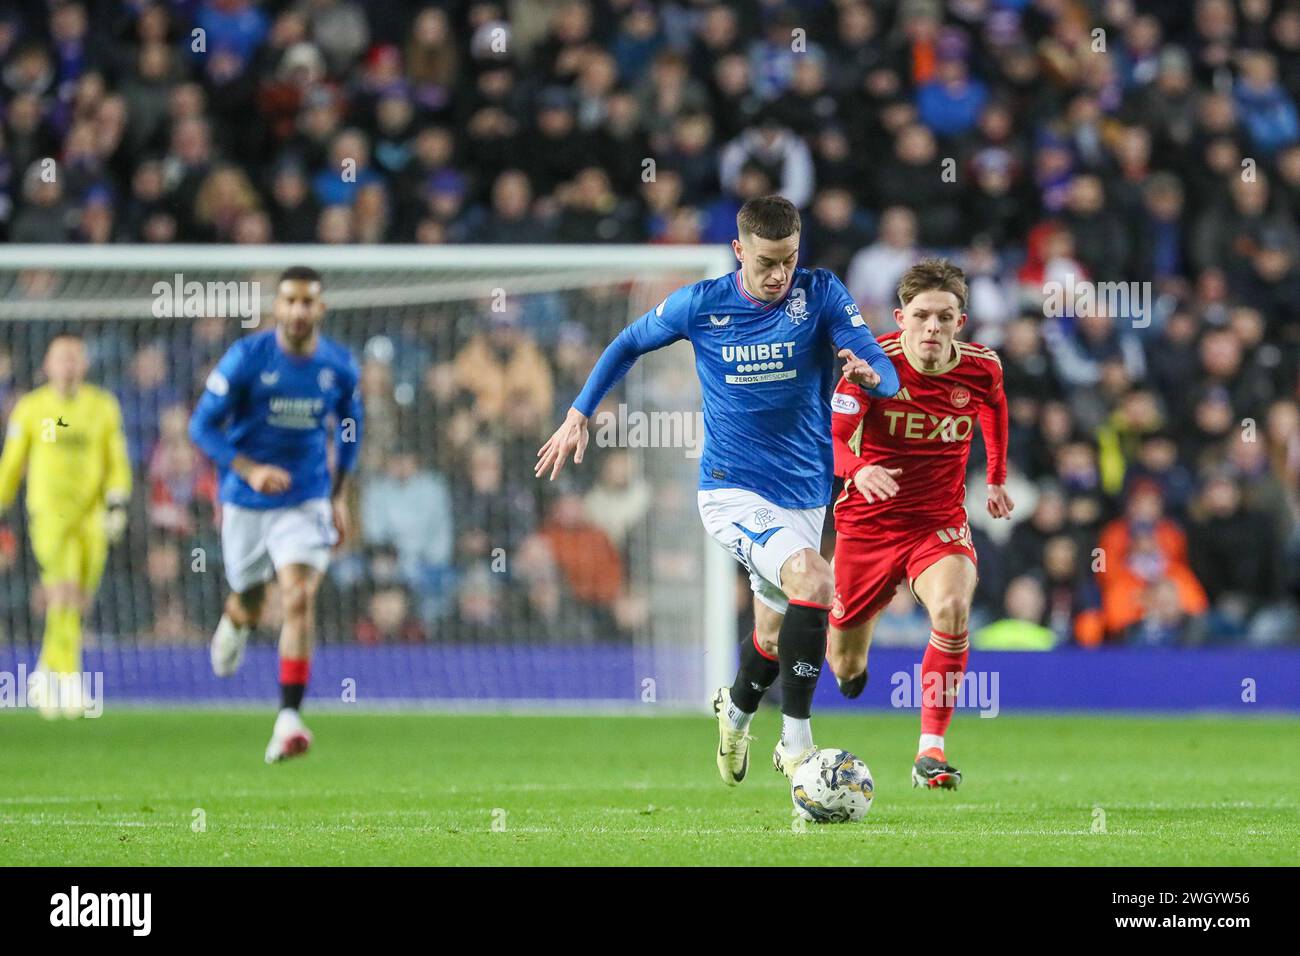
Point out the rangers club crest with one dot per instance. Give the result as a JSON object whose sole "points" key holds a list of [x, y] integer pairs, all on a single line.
{"points": [[797, 307], [960, 397], [325, 379]]}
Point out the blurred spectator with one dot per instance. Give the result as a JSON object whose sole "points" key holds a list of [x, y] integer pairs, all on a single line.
{"points": [[951, 101], [1237, 552], [389, 620], [182, 484], [784, 155], [1137, 550], [619, 501], [1021, 629], [592, 567], [410, 509], [503, 366], [147, 392], [874, 272]]}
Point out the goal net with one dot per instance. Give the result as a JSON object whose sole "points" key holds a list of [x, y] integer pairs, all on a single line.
{"points": [[468, 581]]}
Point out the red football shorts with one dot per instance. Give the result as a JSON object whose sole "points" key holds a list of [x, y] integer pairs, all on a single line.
{"points": [[868, 570]]}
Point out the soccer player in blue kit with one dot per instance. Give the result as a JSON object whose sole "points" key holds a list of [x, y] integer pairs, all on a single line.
{"points": [[765, 340], [264, 420]]}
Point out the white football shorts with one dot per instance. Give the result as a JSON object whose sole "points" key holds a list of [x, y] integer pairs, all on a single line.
{"points": [[760, 535], [257, 541]]}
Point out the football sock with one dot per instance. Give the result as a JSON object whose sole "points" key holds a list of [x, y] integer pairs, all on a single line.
{"points": [[756, 674], [293, 682], [928, 741], [942, 667], [796, 733], [801, 648]]}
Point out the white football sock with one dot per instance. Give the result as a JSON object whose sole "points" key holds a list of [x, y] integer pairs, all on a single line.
{"points": [[928, 741], [738, 719], [796, 733]]}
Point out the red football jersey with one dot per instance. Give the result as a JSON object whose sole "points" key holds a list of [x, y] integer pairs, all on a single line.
{"points": [[925, 430]]}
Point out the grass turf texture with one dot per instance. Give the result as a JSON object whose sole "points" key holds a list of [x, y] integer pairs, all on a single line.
{"points": [[428, 789]]}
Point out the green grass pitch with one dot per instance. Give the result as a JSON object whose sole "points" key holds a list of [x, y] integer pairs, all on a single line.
{"points": [[134, 786]]}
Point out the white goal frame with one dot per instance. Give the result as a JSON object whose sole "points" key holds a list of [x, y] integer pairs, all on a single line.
{"points": [[718, 618]]}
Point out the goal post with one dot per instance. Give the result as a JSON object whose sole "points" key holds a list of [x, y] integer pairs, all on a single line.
{"points": [[601, 589]]}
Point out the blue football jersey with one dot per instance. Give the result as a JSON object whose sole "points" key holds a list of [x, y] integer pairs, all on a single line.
{"points": [[276, 408], [766, 370]]}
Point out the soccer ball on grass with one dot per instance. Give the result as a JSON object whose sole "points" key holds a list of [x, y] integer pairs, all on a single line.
{"points": [[832, 786]]}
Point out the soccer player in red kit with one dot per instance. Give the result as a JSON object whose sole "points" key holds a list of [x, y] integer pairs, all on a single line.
{"points": [[899, 514]]}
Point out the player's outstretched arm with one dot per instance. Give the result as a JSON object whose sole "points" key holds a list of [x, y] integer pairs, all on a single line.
{"points": [[858, 371], [569, 439], [865, 362]]}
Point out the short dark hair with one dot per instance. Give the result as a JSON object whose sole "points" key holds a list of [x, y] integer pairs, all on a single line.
{"points": [[304, 273], [768, 217]]}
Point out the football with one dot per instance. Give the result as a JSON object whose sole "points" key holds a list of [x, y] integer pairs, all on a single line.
{"points": [[832, 786]]}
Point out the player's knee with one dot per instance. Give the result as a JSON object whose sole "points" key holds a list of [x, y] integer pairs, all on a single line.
{"points": [[63, 595], [808, 577], [298, 598], [951, 613]]}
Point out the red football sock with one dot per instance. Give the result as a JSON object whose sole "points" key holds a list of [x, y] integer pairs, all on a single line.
{"points": [[293, 681], [942, 668]]}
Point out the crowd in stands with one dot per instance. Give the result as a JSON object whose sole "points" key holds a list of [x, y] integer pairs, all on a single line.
{"points": [[1145, 154]]}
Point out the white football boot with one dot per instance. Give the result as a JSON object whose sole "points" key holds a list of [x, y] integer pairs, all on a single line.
{"points": [[788, 761], [733, 744], [290, 738], [227, 650], [72, 696], [43, 694]]}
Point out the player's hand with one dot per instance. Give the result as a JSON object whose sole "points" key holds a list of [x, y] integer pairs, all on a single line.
{"points": [[268, 479], [1000, 503], [877, 482], [115, 519], [342, 519], [858, 371], [569, 439]]}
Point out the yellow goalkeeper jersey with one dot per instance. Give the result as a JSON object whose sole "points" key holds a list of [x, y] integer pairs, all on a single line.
{"points": [[73, 451]]}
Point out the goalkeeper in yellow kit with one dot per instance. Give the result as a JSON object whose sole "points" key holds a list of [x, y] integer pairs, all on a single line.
{"points": [[67, 435]]}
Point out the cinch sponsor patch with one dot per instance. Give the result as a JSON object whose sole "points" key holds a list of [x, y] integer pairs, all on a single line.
{"points": [[845, 404]]}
